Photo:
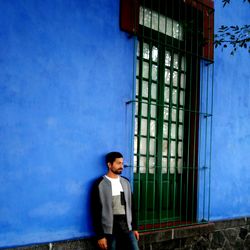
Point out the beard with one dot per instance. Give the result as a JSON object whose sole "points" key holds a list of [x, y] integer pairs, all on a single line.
{"points": [[117, 171]]}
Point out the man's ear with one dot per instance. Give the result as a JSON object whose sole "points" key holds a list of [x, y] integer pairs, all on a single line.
{"points": [[109, 165]]}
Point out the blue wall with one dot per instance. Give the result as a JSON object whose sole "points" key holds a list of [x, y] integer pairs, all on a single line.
{"points": [[230, 179], [66, 73]]}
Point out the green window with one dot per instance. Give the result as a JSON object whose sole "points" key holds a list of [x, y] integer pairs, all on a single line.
{"points": [[167, 114]]}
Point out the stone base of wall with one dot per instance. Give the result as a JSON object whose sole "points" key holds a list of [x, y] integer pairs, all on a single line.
{"points": [[218, 235]]}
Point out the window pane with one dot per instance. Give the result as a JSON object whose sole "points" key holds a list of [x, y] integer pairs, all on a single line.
{"points": [[155, 54], [162, 24], [167, 76], [180, 148], [144, 108], [152, 147], [176, 61], [135, 145], [142, 164], [168, 59], [151, 165], [166, 94], [164, 165], [143, 145], [145, 51], [174, 114], [180, 166], [182, 98], [173, 131], [154, 72], [143, 127], [145, 70], [137, 87], [137, 67], [173, 148], [135, 164], [136, 126], [166, 113], [165, 147], [183, 81], [153, 111], [152, 128], [145, 89], [165, 130], [183, 63], [172, 166], [154, 20], [174, 96], [153, 91], [181, 115], [180, 135], [175, 79]]}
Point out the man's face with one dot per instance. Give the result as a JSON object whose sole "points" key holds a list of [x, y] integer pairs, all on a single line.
{"points": [[117, 166]]}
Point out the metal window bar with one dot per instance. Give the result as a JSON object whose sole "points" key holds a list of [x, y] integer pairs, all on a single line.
{"points": [[160, 188]]}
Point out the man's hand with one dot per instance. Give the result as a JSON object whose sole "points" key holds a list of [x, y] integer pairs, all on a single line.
{"points": [[102, 243], [137, 236]]}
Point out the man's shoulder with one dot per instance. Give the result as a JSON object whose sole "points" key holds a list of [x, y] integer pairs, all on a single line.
{"points": [[125, 179]]}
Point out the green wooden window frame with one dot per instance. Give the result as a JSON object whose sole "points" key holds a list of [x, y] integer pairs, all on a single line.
{"points": [[167, 114]]}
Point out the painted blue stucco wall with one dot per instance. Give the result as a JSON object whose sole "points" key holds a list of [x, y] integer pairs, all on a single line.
{"points": [[66, 71], [230, 174]]}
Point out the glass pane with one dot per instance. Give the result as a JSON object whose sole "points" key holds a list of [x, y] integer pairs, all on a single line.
{"points": [[155, 20], [164, 165], [144, 109], [174, 114], [138, 49], [136, 126], [166, 94], [153, 111], [173, 131], [154, 72], [177, 31], [152, 128], [147, 17], [155, 54], [176, 61], [169, 27], [152, 147], [153, 91], [145, 70], [142, 164], [165, 147], [162, 24], [180, 166], [136, 108], [167, 76], [180, 149], [182, 98], [137, 67], [135, 145], [143, 127], [143, 145], [144, 89], [180, 135], [183, 81], [173, 148], [174, 96], [135, 164], [166, 110], [172, 166], [175, 79], [167, 58], [183, 64], [137, 87], [181, 118], [165, 130], [145, 51], [151, 165]]}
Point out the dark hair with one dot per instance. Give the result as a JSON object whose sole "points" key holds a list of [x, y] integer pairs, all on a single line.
{"points": [[110, 157]]}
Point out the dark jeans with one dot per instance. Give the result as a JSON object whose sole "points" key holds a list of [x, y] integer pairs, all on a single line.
{"points": [[123, 241]]}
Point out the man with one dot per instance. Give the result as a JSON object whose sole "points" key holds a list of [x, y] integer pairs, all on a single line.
{"points": [[112, 208]]}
